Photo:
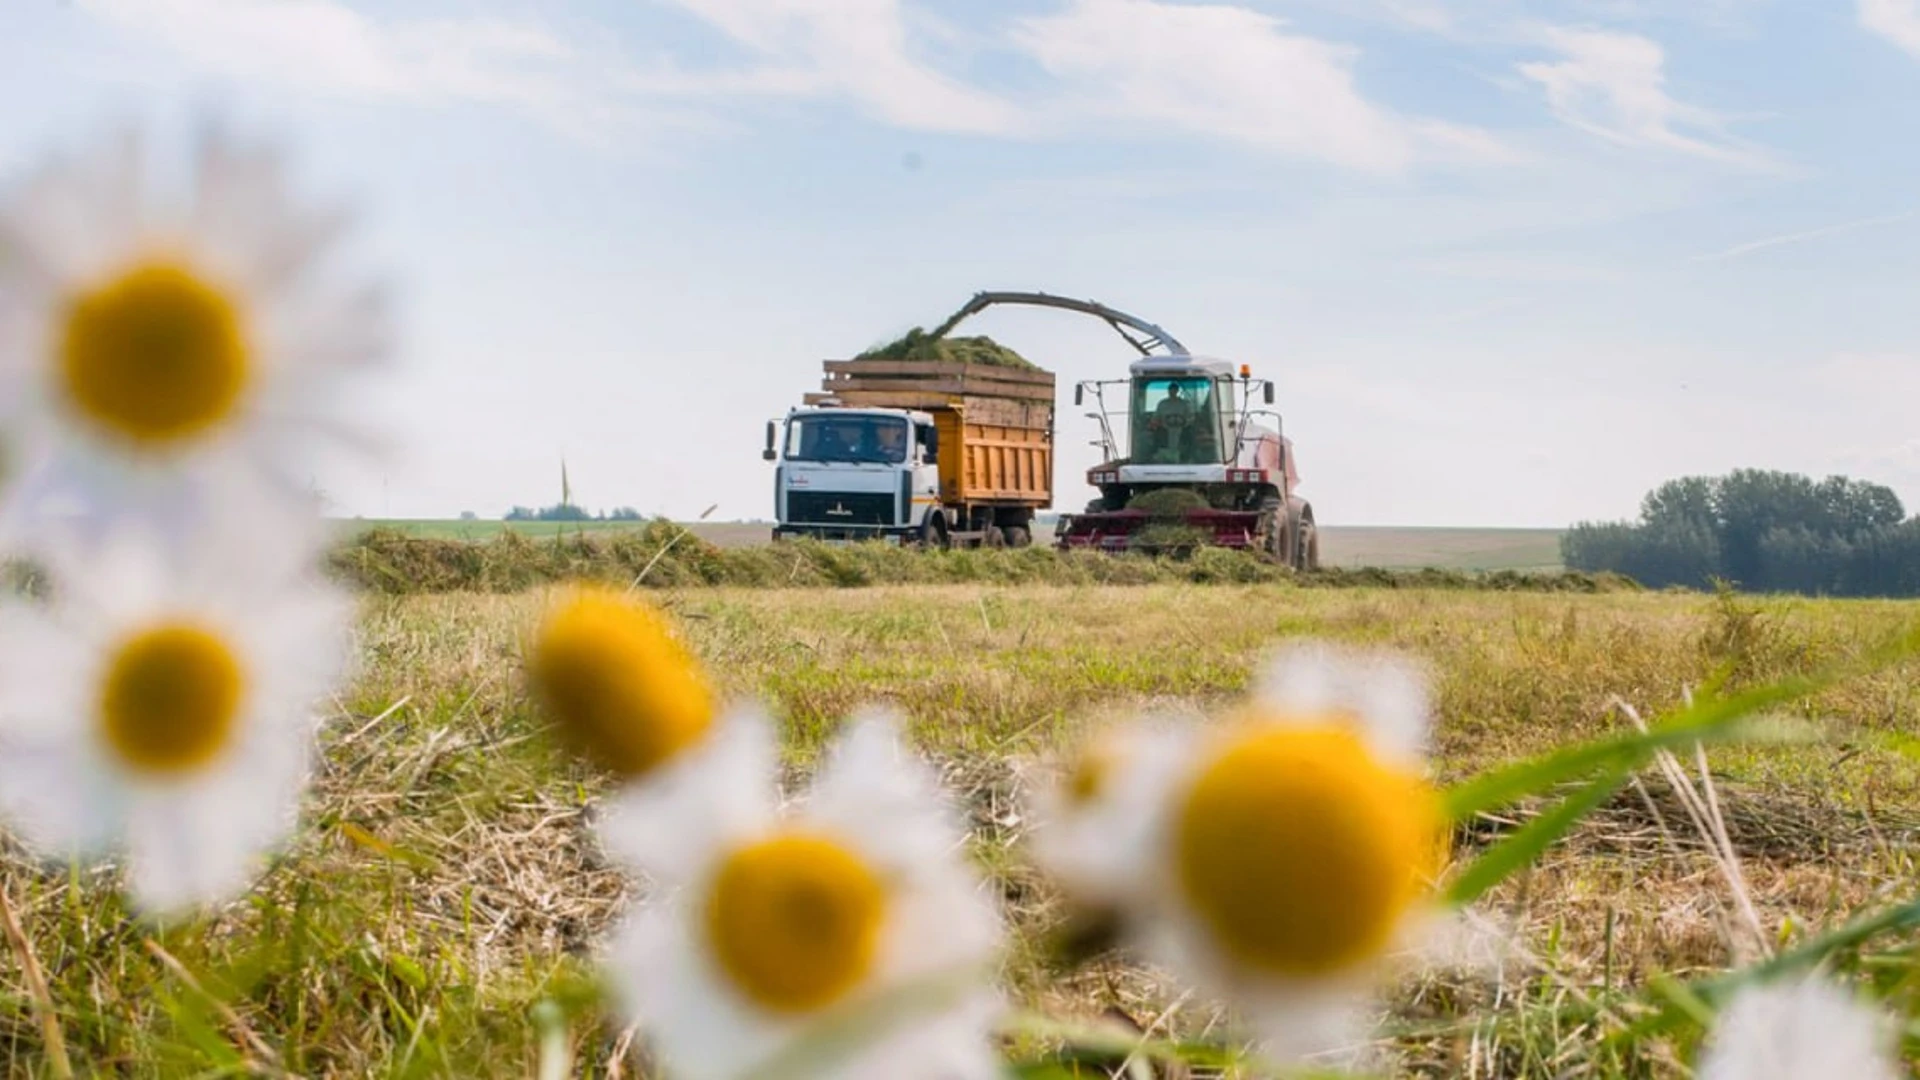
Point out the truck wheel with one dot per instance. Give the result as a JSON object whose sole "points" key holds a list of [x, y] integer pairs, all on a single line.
{"points": [[1017, 536], [933, 534], [996, 537]]}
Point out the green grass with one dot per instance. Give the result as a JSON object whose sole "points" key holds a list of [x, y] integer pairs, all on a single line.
{"points": [[445, 883]]}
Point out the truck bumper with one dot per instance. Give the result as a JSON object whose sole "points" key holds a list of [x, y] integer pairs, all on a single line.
{"points": [[895, 534]]}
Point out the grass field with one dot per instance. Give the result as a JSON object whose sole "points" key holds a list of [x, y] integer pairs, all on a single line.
{"points": [[1389, 547], [446, 885]]}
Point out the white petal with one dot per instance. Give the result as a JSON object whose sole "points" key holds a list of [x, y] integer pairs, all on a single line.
{"points": [[60, 799], [701, 1029], [670, 825], [1105, 850], [1797, 1031], [1386, 692], [875, 791]]}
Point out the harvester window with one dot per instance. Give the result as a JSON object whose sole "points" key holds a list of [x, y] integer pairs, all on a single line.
{"points": [[855, 438], [1176, 421]]}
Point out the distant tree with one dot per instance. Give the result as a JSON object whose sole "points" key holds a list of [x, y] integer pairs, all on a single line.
{"points": [[624, 513], [1761, 530], [522, 513], [468, 515]]}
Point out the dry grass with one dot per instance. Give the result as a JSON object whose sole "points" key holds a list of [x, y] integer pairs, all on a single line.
{"points": [[446, 884]]}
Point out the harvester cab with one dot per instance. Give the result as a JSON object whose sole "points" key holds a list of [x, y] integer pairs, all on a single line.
{"points": [[1202, 462]]}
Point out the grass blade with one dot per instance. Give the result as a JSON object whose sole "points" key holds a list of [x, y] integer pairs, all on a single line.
{"points": [[1497, 863]]}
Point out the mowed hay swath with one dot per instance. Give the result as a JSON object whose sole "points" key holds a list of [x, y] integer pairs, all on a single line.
{"points": [[663, 555], [448, 882]]}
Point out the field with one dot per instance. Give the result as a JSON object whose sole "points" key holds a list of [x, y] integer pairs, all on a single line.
{"points": [[438, 918], [1393, 548]]}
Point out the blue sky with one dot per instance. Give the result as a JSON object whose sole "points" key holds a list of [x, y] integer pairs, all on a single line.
{"points": [[1510, 264]]}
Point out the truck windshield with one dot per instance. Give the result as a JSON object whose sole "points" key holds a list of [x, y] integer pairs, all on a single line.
{"points": [[1175, 421], [855, 438]]}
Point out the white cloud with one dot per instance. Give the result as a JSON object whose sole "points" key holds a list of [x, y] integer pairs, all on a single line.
{"points": [[1231, 73], [859, 49], [326, 47], [1613, 85], [1896, 20]]}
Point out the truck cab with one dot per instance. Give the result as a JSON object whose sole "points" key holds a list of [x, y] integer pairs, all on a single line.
{"points": [[854, 473]]}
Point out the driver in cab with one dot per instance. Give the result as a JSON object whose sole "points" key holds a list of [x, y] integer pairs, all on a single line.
{"points": [[1173, 405]]}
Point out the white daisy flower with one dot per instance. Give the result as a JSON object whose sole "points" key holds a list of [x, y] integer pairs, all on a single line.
{"points": [[1797, 1031], [1282, 860], [161, 705], [149, 345], [622, 690], [841, 938]]}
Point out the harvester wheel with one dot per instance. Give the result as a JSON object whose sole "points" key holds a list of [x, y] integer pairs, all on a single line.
{"points": [[1017, 536], [1310, 551], [1275, 535]]}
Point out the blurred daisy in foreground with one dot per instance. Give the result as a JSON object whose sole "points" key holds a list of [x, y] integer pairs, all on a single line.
{"points": [[1282, 860], [149, 344], [163, 708], [842, 938], [1798, 1031], [621, 689]]}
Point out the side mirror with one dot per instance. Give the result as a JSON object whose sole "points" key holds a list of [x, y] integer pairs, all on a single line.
{"points": [[768, 454], [1079, 395], [1269, 392]]}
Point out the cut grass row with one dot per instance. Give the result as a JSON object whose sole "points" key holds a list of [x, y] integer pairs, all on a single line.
{"points": [[664, 555], [1349, 547], [446, 883]]}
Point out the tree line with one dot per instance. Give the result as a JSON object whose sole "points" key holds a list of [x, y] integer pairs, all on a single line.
{"points": [[564, 511], [1761, 531]]}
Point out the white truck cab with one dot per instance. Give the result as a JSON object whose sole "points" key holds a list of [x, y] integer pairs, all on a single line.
{"points": [[854, 473]]}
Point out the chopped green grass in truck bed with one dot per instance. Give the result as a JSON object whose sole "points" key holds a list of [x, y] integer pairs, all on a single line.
{"points": [[917, 344]]}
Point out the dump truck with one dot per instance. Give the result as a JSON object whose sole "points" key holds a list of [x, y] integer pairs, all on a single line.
{"points": [[941, 454]]}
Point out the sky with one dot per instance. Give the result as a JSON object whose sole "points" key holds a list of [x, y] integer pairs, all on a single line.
{"points": [[1509, 264]]}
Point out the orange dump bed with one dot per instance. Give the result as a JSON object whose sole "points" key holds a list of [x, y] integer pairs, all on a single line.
{"points": [[995, 424]]}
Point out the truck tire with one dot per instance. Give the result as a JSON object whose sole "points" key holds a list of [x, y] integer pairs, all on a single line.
{"points": [[933, 534], [1017, 536], [995, 537]]}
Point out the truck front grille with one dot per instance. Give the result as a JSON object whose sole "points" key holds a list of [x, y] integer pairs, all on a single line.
{"points": [[841, 508]]}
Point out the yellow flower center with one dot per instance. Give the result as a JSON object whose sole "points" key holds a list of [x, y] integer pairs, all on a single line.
{"points": [[1091, 772], [795, 921], [617, 683], [154, 356], [1300, 851], [171, 699]]}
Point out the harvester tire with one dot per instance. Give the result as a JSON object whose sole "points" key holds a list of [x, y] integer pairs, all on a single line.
{"points": [[1311, 558], [1275, 531], [1017, 536]]}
